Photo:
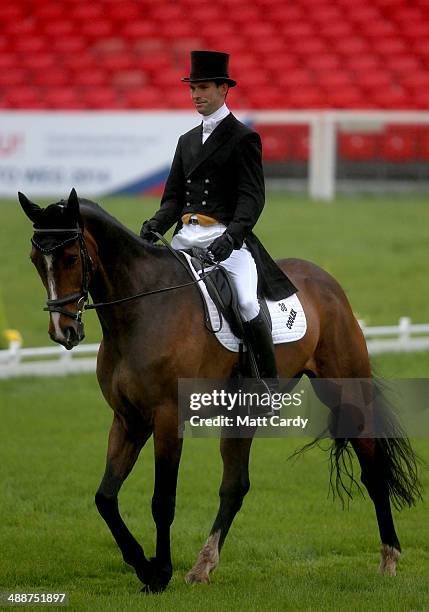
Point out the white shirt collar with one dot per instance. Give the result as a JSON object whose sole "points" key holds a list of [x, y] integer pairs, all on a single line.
{"points": [[218, 115]]}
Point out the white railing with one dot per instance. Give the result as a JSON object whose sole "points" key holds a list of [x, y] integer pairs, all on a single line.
{"points": [[323, 127], [57, 361], [403, 338]]}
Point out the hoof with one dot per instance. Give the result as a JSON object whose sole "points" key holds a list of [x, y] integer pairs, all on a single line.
{"points": [[389, 558], [197, 578], [155, 577], [206, 562]]}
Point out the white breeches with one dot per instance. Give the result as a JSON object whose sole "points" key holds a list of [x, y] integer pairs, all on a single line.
{"points": [[240, 264]]}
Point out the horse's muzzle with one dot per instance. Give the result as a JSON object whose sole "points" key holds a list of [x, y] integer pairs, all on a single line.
{"points": [[70, 336]]}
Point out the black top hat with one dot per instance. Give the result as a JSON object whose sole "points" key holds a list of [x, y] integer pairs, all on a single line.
{"points": [[209, 66]]}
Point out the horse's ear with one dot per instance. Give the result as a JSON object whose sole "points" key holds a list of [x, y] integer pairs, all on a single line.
{"points": [[73, 202], [32, 210]]}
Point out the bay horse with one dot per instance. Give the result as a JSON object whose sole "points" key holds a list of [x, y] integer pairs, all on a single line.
{"points": [[151, 342]]}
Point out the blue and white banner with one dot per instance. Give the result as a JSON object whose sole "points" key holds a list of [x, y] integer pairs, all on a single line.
{"points": [[98, 153]]}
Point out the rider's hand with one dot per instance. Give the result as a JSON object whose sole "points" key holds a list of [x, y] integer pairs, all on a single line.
{"points": [[222, 247], [147, 230]]}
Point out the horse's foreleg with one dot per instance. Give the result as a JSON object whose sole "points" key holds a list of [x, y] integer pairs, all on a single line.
{"points": [[235, 485], [168, 448], [122, 454]]}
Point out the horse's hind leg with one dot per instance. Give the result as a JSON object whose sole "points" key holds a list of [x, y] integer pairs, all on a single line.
{"points": [[235, 484], [374, 478], [123, 451], [336, 360]]}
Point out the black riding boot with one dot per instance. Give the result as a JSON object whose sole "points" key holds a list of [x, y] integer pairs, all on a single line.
{"points": [[259, 336]]}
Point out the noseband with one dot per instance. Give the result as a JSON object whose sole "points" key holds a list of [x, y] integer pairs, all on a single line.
{"points": [[82, 296]]}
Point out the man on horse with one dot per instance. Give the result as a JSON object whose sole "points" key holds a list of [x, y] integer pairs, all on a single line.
{"points": [[215, 193]]}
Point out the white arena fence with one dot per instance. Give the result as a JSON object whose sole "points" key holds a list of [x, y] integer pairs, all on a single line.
{"points": [[57, 361]]}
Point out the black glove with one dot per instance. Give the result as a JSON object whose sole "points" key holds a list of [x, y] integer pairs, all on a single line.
{"points": [[222, 247], [147, 230]]}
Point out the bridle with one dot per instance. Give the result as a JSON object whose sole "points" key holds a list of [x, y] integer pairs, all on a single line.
{"points": [[80, 297]]}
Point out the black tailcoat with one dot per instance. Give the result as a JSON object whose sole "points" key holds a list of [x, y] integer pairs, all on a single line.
{"points": [[223, 178]]}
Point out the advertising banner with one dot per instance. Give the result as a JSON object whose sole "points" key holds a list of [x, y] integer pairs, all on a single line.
{"points": [[98, 153]]}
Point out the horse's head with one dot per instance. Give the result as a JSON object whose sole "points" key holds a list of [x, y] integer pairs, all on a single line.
{"points": [[61, 257]]}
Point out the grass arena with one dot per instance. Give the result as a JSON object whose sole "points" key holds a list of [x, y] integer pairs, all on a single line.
{"points": [[291, 547]]}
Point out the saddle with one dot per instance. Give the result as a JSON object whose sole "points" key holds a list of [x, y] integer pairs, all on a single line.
{"points": [[223, 292]]}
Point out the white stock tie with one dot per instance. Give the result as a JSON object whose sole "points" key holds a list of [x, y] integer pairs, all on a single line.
{"points": [[208, 127]]}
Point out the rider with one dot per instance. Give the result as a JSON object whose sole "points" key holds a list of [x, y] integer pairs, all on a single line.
{"points": [[215, 194]]}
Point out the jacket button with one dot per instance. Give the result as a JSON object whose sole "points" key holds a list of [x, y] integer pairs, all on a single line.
{"points": [[188, 203], [203, 202], [206, 180], [188, 193], [188, 181], [206, 191]]}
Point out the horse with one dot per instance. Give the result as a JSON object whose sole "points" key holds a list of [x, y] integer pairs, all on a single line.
{"points": [[151, 342]]}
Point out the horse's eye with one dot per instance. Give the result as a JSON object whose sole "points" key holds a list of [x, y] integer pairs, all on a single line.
{"points": [[70, 260]]}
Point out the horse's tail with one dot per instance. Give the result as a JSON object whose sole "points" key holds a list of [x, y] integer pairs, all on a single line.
{"points": [[395, 458]]}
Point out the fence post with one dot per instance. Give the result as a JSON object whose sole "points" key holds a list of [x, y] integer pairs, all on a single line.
{"points": [[322, 157], [404, 330]]}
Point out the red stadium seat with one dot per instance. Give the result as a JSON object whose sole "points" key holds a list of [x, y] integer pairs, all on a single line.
{"points": [[86, 11], [265, 99], [295, 79], [22, 97], [335, 79], [392, 97], [345, 97], [96, 28], [29, 44], [53, 77], [176, 29], [144, 98], [128, 79], [249, 15], [101, 97], [305, 98], [68, 45], [8, 61], [398, 147], [93, 76], [275, 144], [323, 63], [63, 98], [136, 30], [423, 146], [124, 11], [350, 47], [358, 146], [170, 12], [179, 98], [58, 28], [118, 61], [299, 143], [14, 76]]}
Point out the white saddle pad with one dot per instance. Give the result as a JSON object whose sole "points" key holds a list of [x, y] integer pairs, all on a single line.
{"points": [[287, 317]]}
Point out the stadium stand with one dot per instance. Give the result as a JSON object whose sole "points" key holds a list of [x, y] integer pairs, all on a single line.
{"points": [[309, 54]]}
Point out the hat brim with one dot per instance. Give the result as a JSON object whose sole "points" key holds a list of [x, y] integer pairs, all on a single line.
{"points": [[230, 82]]}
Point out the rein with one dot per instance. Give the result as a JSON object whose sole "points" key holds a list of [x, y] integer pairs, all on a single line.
{"points": [[82, 297], [155, 291]]}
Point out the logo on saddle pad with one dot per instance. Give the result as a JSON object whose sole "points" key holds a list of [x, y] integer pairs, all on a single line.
{"points": [[292, 314], [291, 319]]}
